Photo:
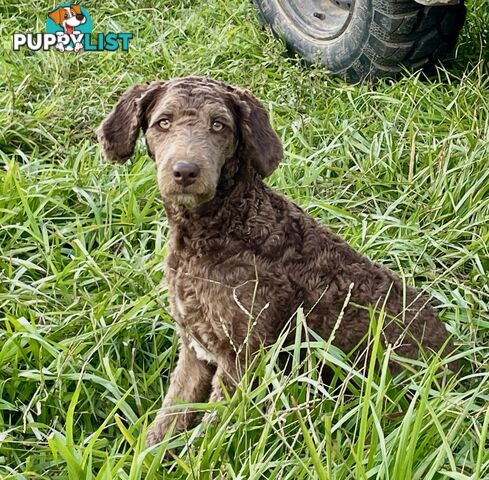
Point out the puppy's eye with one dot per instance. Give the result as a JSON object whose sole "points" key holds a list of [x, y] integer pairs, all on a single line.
{"points": [[217, 126], [164, 123], [66, 15]]}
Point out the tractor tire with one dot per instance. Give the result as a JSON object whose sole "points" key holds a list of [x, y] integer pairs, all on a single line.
{"points": [[365, 39]]}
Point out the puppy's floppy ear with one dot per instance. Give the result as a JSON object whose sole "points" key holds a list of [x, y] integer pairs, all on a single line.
{"points": [[57, 15], [118, 132], [76, 8], [260, 143]]}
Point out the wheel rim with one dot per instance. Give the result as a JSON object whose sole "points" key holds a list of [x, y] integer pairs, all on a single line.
{"points": [[319, 19]]}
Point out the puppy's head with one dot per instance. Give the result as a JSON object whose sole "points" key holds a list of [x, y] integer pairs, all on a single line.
{"points": [[71, 15], [197, 131]]}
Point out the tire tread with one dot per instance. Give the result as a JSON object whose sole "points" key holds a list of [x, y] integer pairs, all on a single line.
{"points": [[414, 38]]}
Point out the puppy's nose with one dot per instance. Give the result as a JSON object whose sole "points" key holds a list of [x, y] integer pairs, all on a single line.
{"points": [[185, 173], [80, 16]]}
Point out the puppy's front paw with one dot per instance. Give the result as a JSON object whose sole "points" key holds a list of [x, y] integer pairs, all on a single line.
{"points": [[155, 434], [161, 428], [211, 418]]}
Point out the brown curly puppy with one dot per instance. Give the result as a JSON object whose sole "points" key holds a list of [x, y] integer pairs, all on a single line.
{"points": [[242, 257]]}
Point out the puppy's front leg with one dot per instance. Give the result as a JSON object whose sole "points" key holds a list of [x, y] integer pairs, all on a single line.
{"points": [[190, 383], [228, 376]]}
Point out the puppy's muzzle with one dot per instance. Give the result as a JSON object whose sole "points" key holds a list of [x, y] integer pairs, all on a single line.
{"points": [[185, 173]]}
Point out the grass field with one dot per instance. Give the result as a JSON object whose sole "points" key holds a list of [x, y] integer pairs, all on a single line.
{"points": [[401, 170]]}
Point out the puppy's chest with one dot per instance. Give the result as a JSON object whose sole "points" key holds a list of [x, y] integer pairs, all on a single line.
{"points": [[195, 326], [202, 310], [212, 303]]}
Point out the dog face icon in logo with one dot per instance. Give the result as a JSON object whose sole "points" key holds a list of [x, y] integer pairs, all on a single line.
{"points": [[72, 21]]}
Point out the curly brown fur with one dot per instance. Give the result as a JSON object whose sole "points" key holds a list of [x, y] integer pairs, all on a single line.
{"points": [[242, 257]]}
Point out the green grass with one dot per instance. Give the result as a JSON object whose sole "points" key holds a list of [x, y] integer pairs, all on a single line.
{"points": [[399, 169]]}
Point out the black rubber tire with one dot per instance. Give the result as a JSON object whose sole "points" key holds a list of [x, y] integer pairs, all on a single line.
{"points": [[380, 37]]}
